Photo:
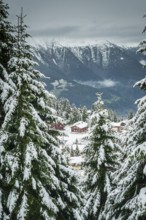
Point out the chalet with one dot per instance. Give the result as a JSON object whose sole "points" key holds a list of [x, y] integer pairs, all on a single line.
{"points": [[79, 127], [76, 162], [118, 126], [58, 126]]}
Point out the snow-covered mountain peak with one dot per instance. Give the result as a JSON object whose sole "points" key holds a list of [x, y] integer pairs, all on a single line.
{"points": [[38, 43], [88, 53], [110, 68]]}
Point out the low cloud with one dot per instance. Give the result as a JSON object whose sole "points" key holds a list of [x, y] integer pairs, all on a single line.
{"points": [[107, 83], [83, 19], [104, 31], [143, 62], [56, 32]]}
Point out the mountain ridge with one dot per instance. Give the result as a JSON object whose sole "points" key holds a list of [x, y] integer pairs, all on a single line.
{"points": [[81, 71]]}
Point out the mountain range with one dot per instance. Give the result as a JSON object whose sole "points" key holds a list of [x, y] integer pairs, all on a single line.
{"points": [[79, 72]]}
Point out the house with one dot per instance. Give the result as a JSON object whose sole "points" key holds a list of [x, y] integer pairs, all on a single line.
{"points": [[76, 162], [118, 126], [58, 126], [79, 127]]}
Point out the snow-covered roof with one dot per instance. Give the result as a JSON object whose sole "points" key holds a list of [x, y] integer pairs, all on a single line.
{"points": [[76, 160], [115, 124], [118, 124], [80, 124]]}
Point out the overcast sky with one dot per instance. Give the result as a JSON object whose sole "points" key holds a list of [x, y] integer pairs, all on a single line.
{"points": [[118, 21]]}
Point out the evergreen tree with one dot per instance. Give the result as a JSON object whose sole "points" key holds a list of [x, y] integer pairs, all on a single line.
{"points": [[77, 151], [72, 152], [97, 106], [84, 114], [128, 200], [34, 180], [100, 158], [63, 108], [66, 109], [93, 120], [6, 48], [7, 38], [75, 115]]}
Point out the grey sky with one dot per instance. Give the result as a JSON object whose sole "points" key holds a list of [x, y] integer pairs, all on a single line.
{"points": [[118, 21]]}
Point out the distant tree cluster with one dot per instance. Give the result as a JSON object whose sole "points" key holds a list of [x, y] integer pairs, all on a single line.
{"points": [[70, 112]]}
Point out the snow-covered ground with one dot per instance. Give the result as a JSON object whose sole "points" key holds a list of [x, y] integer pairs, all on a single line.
{"points": [[71, 138], [76, 160]]}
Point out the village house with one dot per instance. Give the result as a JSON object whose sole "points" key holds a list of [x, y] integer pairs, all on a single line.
{"points": [[76, 162], [118, 126], [58, 126], [79, 127]]}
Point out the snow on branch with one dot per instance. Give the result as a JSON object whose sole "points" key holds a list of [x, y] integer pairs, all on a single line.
{"points": [[46, 199], [23, 208], [31, 154], [22, 127], [9, 108], [12, 199], [38, 119]]}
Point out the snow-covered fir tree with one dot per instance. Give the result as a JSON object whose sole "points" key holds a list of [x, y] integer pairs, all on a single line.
{"points": [[84, 113], [70, 112], [7, 40], [35, 183], [6, 35], [77, 151], [100, 161], [128, 200], [75, 115]]}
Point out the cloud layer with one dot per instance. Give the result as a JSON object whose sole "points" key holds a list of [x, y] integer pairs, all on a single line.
{"points": [[106, 83], [83, 19]]}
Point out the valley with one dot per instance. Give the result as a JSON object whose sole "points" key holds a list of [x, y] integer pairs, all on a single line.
{"points": [[79, 72]]}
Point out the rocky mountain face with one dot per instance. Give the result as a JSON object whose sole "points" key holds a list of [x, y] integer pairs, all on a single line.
{"points": [[78, 73]]}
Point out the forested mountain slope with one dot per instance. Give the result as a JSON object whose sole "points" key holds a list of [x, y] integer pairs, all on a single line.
{"points": [[78, 72]]}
